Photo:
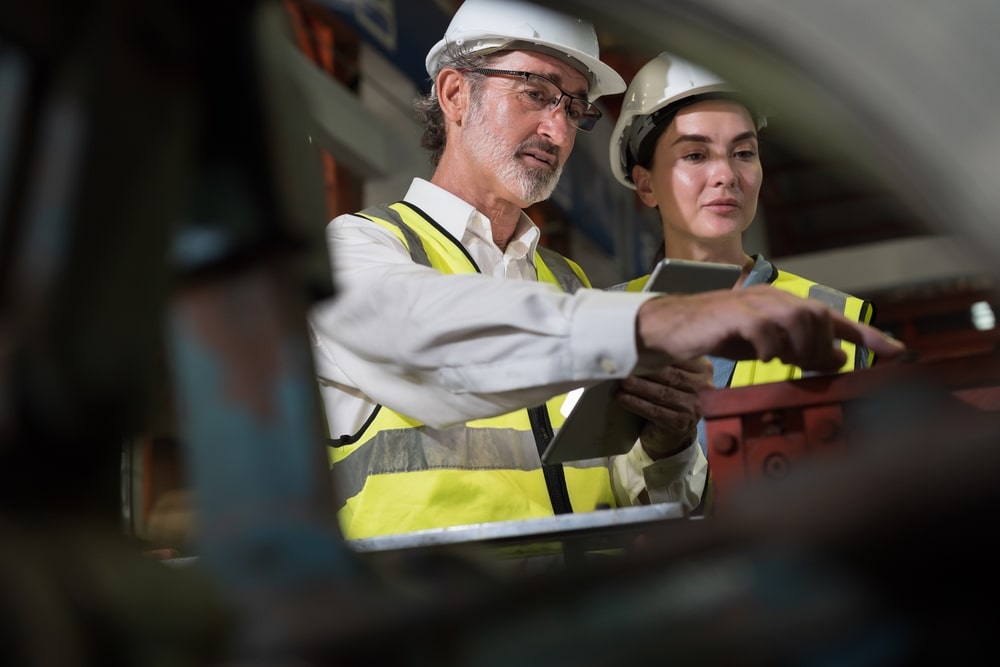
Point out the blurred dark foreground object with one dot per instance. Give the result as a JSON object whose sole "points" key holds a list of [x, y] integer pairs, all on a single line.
{"points": [[146, 203]]}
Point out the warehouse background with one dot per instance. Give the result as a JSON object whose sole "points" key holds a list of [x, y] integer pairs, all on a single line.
{"points": [[818, 217]]}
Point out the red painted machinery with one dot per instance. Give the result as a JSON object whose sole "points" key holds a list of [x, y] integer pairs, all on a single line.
{"points": [[767, 431]]}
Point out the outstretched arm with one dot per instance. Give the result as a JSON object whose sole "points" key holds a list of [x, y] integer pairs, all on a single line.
{"points": [[758, 322]]}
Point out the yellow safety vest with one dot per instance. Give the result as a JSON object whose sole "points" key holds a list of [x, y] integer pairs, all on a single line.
{"points": [[399, 475], [752, 371]]}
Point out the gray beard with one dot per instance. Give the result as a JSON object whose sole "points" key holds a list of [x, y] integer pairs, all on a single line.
{"points": [[530, 184]]}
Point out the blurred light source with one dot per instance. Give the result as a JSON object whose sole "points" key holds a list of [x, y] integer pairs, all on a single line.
{"points": [[982, 316]]}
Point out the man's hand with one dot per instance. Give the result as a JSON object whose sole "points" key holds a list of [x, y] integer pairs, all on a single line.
{"points": [[668, 400], [759, 322]]}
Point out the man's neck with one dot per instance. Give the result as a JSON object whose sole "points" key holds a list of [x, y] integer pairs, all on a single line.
{"points": [[503, 214]]}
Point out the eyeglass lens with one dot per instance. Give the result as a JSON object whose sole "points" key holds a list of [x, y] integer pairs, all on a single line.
{"points": [[580, 112], [538, 92]]}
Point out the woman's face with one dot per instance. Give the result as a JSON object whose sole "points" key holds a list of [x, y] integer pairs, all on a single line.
{"points": [[706, 173]]}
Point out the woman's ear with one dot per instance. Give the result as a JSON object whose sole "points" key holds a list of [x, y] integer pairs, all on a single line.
{"points": [[643, 180], [451, 92]]}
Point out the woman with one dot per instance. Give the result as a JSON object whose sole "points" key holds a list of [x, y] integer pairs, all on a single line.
{"points": [[687, 144]]}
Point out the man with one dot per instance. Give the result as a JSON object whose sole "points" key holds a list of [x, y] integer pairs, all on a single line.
{"points": [[445, 355]]}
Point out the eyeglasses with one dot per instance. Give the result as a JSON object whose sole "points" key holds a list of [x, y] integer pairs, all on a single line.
{"points": [[538, 93]]}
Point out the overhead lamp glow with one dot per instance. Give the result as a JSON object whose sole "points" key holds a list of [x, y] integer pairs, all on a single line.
{"points": [[983, 318]]}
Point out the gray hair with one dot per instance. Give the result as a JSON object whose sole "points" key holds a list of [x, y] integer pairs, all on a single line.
{"points": [[428, 108]]}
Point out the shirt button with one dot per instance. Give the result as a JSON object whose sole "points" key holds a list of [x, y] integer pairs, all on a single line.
{"points": [[608, 366]]}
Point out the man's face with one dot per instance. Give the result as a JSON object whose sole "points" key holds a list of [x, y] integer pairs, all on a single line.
{"points": [[524, 150]]}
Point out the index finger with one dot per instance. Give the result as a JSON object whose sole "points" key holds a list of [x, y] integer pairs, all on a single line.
{"points": [[694, 364], [868, 336]]}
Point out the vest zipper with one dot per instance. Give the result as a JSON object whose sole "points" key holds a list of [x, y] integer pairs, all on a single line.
{"points": [[555, 476]]}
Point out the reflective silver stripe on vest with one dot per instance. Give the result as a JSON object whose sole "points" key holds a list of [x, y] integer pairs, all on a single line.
{"points": [[829, 296], [561, 269], [837, 301], [417, 252], [425, 448]]}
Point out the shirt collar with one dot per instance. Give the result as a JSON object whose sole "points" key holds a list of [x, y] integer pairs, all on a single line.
{"points": [[457, 217], [761, 273]]}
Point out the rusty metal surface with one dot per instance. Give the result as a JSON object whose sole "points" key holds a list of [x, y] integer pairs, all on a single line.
{"points": [[961, 372], [766, 432]]}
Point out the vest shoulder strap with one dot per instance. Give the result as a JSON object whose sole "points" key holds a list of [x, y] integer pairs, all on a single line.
{"points": [[554, 268], [383, 214]]}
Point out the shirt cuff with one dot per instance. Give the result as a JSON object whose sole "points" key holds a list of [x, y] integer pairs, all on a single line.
{"points": [[602, 334], [674, 479]]}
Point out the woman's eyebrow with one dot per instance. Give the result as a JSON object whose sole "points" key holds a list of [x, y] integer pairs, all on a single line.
{"points": [[702, 139], [699, 138]]}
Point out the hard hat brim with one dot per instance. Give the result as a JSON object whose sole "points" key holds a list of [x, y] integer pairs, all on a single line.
{"points": [[604, 80]]}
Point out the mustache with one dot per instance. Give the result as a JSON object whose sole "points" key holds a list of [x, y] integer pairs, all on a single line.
{"points": [[539, 144]]}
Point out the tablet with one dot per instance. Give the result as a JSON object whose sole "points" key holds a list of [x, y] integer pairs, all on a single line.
{"points": [[598, 425]]}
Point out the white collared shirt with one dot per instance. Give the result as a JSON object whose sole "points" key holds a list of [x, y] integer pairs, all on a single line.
{"points": [[446, 349]]}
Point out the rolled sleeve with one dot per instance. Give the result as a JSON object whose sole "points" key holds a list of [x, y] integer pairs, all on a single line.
{"points": [[675, 479]]}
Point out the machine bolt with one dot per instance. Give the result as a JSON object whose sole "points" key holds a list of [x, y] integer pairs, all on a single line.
{"points": [[725, 444], [776, 465], [825, 430]]}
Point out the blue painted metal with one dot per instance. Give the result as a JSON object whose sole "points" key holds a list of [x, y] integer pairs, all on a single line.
{"points": [[402, 30], [248, 409], [249, 423]]}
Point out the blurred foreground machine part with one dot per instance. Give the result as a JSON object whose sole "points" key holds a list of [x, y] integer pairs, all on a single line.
{"points": [[97, 109]]}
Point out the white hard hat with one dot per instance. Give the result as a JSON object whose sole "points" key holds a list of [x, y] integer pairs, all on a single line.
{"points": [[491, 25], [663, 81]]}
